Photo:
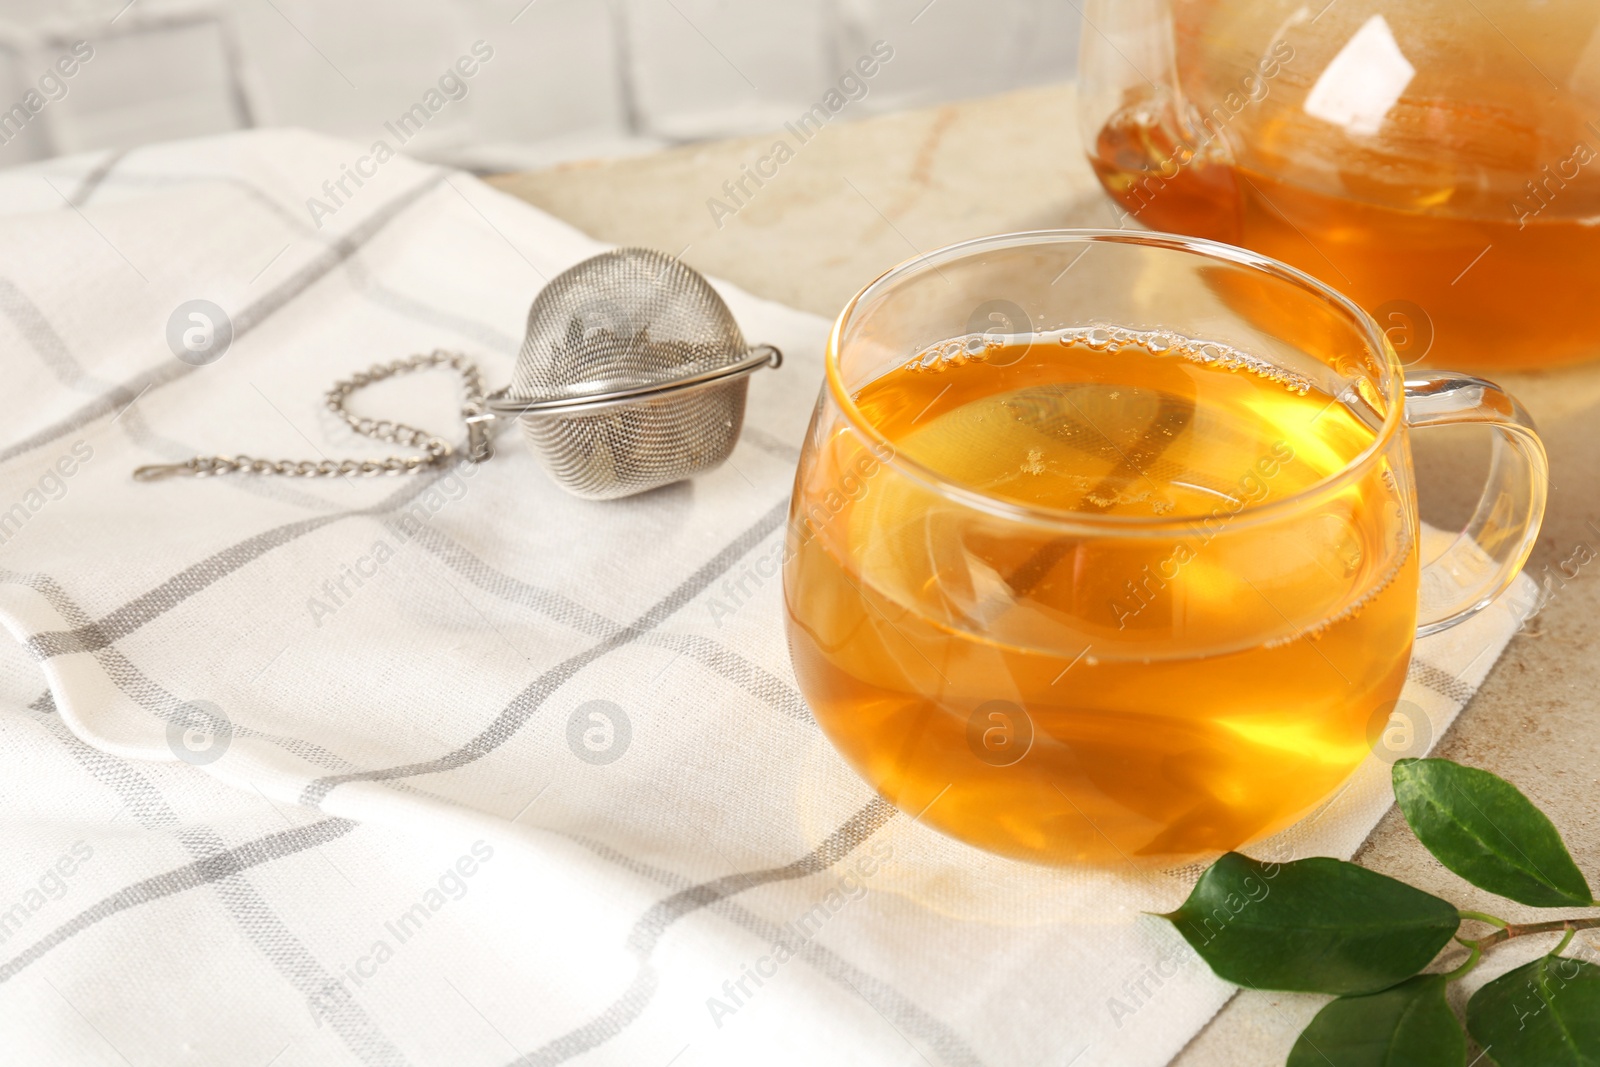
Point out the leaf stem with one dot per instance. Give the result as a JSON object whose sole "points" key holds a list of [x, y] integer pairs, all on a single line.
{"points": [[1565, 941], [1475, 953], [1510, 930], [1479, 916]]}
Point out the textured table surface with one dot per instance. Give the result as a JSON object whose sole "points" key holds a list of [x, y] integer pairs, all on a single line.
{"points": [[859, 198]]}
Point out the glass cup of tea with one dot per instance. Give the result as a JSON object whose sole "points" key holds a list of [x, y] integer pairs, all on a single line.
{"points": [[1104, 546]]}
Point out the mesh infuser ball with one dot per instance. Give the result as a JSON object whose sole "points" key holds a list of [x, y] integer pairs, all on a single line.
{"points": [[633, 375], [623, 382]]}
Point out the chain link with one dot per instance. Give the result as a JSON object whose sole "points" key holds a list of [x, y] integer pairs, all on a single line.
{"points": [[436, 451]]}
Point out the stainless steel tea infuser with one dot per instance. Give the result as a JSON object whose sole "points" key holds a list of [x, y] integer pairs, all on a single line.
{"points": [[633, 375]]}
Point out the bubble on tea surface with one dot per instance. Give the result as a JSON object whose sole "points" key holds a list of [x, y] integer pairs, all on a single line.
{"points": [[997, 324]]}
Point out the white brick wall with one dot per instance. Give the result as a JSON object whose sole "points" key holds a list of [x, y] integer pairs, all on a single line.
{"points": [[952, 49], [708, 67], [157, 81], [567, 78]]}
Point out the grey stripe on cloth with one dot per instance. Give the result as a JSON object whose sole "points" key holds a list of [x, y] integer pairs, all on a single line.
{"points": [[642, 940], [222, 868], [36, 329], [522, 707], [141, 609], [902, 1012], [776, 446], [113, 399], [150, 694], [150, 605], [294, 220], [647, 931], [748, 676], [552, 605], [1446, 685], [360, 277], [99, 173], [246, 320], [204, 871], [414, 309], [98, 637], [291, 491], [723, 661], [751, 677], [30, 322], [134, 682]]}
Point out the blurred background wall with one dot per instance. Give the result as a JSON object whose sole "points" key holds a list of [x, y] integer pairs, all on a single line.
{"points": [[562, 79]]}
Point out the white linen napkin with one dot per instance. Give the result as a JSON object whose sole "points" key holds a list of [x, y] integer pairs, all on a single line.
{"points": [[414, 842]]}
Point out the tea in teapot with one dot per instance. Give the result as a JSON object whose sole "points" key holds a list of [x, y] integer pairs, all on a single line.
{"points": [[1440, 164]]}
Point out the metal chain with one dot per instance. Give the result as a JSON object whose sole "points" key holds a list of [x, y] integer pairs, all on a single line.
{"points": [[436, 451]]}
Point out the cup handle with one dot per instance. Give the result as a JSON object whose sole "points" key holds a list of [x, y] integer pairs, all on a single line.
{"points": [[1485, 558]]}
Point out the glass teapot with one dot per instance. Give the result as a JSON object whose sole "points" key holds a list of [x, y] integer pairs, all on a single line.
{"points": [[1436, 160]]}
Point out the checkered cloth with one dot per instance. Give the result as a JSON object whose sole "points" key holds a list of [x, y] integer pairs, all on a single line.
{"points": [[456, 768]]}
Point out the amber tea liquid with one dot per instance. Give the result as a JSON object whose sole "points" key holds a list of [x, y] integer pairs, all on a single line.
{"points": [[1467, 270], [1063, 699]]}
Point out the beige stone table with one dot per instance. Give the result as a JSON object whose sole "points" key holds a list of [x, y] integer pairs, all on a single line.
{"points": [[859, 198]]}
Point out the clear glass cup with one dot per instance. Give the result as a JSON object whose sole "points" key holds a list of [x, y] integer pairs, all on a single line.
{"points": [[1135, 676]]}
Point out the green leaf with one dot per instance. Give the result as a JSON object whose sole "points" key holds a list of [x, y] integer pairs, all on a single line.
{"points": [[1312, 926], [1543, 1014], [1410, 1025], [1483, 828]]}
